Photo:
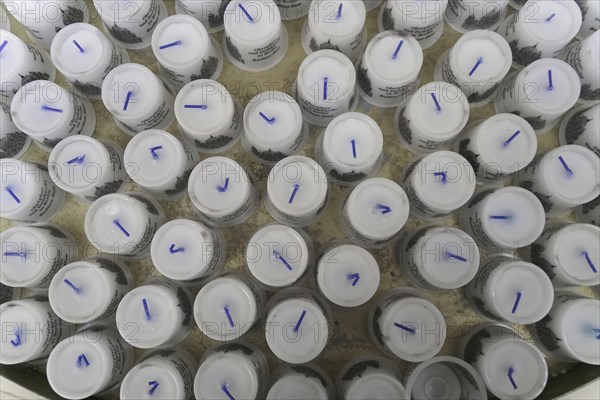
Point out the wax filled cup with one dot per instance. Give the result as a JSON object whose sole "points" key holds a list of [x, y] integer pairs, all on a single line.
{"points": [[510, 367], [158, 313], [137, 99], [186, 250], [130, 24], [159, 163], [297, 191], [279, 256], [31, 255], [569, 332], [92, 361], [297, 325], [432, 118], [568, 253], [464, 15], [21, 63], [255, 38], [232, 371], [336, 25], [292, 9], [228, 306], [350, 149], [498, 146], [584, 57], [307, 382], [13, 142], [49, 113], [443, 378], [30, 330], [476, 63], [124, 224], [273, 127], [506, 289], [540, 29], [580, 126], [439, 184], [370, 377], [438, 257], [326, 87], [347, 275], [208, 116], [389, 70], [27, 193], [209, 12], [168, 373], [563, 178], [423, 20], [86, 291], [222, 192], [185, 51], [590, 11], [374, 212], [589, 213]]}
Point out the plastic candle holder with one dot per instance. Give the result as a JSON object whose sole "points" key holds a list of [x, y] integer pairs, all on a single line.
{"points": [[306, 381], [209, 12], [370, 377], [584, 57], [13, 142], [590, 11], [581, 126], [292, 9], [185, 51], [186, 250], [158, 162], [31, 255], [347, 275], [467, 15], [27, 194], [405, 324]]}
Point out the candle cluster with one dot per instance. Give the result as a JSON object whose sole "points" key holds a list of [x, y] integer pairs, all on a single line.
{"points": [[514, 254]]}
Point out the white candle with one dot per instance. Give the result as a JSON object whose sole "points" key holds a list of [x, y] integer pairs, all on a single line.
{"points": [[137, 99], [370, 377], [476, 63], [222, 192], [350, 149], [467, 15], [208, 116], [509, 217], [232, 371], [336, 25], [30, 330], [27, 193], [84, 55], [130, 24], [31, 255], [227, 307], [273, 127], [506, 289], [407, 325], [255, 38], [209, 12], [89, 362], [279, 256], [297, 191], [293, 9], [498, 146], [297, 325], [374, 213], [389, 70], [590, 11], [185, 51], [584, 57], [424, 19], [563, 178], [158, 162], [347, 275], [540, 29], [158, 313], [589, 213], [570, 332], [569, 254], [439, 184], [163, 373], [326, 86], [581, 126], [21, 63], [432, 118], [124, 224], [307, 382], [186, 250], [13, 142], [42, 20], [510, 367], [438, 258]]}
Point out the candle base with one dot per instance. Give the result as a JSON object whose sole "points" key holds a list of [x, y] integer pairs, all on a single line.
{"points": [[276, 59]]}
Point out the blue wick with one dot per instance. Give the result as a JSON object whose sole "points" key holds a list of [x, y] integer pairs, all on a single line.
{"points": [[297, 327], [456, 257], [505, 217], [77, 160], [226, 391], [121, 227], [596, 330], [246, 13], [56, 110], [224, 188], [174, 250], [22, 254], [353, 148], [564, 164], [325, 84], [293, 196], [16, 342], [3, 45], [13, 195], [550, 85], [81, 50], [283, 260], [197, 106], [550, 17], [153, 151], [72, 286], [269, 120], [443, 175], [511, 371], [127, 99], [517, 301], [229, 317], [437, 104], [395, 55], [146, 310], [477, 64], [510, 139], [154, 385], [82, 359], [166, 46], [384, 209], [408, 329], [339, 13], [589, 261], [354, 278]]}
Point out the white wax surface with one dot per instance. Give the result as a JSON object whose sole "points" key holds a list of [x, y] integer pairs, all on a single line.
{"points": [[27, 190], [287, 124], [584, 184], [332, 65], [28, 320], [13, 56], [104, 211], [79, 176], [234, 371], [565, 82], [19, 271], [405, 66], [67, 54], [577, 329], [296, 387], [494, 65], [323, 16], [194, 39], [572, 241], [266, 23], [136, 385], [219, 107], [375, 386], [126, 78], [443, 124], [565, 23]]}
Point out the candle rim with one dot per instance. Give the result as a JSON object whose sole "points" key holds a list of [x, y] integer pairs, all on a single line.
{"points": [[579, 303], [61, 39], [315, 25], [571, 7], [562, 235], [230, 16], [177, 19], [13, 40], [279, 389], [326, 53], [409, 42], [128, 389], [31, 345], [215, 355]]}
